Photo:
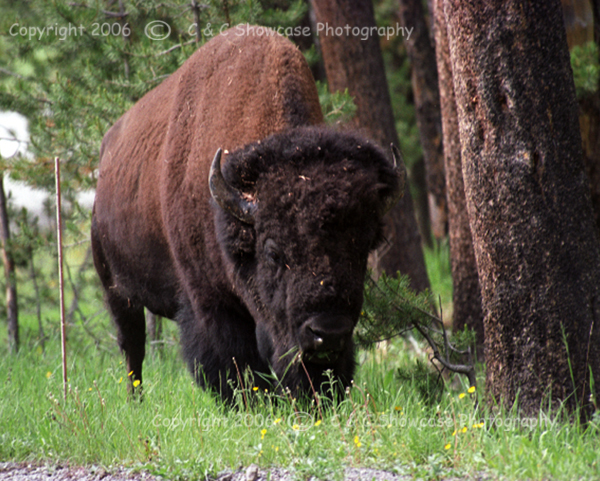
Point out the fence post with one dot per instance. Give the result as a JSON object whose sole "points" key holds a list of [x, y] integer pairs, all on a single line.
{"points": [[61, 282]]}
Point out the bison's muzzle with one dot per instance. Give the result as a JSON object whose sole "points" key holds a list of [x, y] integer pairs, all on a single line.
{"points": [[323, 338]]}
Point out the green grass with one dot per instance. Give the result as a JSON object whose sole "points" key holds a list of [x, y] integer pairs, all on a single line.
{"points": [[387, 421], [180, 431], [437, 261]]}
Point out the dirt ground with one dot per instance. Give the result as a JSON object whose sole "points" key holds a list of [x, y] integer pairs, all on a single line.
{"points": [[32, 472], [39, 472]]}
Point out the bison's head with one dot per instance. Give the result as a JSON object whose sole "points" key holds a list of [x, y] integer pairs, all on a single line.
{"points": [[298, 214]]}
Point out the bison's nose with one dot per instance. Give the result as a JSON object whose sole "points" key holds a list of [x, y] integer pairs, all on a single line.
{"points": [[323, 338]]}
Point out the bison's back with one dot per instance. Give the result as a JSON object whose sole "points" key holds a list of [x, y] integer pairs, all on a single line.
{"points": [[153, 230]]}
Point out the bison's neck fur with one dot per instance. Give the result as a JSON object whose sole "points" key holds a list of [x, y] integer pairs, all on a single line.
{"points": [[161, 243]]}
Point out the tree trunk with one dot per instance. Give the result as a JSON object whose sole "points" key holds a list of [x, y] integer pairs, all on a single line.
{"points": [[596, 14], [466, 293], [154, 328], [12, 309], [579, 21], [589, 122], [357, 65], [38, 299], [528, 200], [424, 79], [76, 285], [418, 178]]}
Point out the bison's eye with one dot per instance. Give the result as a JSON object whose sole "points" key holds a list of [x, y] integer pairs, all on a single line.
{"points": [[273, 254]]}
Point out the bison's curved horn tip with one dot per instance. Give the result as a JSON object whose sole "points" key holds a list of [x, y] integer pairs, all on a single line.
{"points": [[227, 197], [400, 171], [399, 166], [396, 155]]}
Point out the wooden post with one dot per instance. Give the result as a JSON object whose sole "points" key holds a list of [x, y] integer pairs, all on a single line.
{"points": [[61, 282]]}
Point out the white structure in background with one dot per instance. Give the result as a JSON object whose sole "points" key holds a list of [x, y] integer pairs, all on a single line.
{"points": [[14, 139]]}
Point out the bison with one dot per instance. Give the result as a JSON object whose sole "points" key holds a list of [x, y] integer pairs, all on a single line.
{"points": [[223, 204]]}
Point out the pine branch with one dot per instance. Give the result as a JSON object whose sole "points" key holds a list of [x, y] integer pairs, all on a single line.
{"points": [[12, 74], [394, 310]]}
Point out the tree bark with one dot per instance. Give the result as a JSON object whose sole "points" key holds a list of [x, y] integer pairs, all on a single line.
{"points": [[154, 328], [76, 285], [12, 309], [579, 21], [589, 122], [356, 64], [466, 293], [38, 300], [528, 200], [596, 14], [424, 79]]}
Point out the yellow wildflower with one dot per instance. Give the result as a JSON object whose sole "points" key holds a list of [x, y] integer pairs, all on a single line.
{"points": [[295, 427], [255, 388], [464, 430], [448, 446], [318, 423], [277, 421], [461, 395], [357, 442], [136, 383], [48, 375], [471, 390], [262, 434]]}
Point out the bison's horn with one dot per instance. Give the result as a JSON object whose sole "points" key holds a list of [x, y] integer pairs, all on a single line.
{"points": [[400, 169], [228, 198]]}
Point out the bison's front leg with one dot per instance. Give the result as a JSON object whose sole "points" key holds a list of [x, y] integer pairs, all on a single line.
{"points": [[131, 335], [219, 344]]}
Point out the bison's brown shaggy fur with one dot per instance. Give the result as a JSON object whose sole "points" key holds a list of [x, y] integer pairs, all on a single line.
{"points": [[280, 291]]}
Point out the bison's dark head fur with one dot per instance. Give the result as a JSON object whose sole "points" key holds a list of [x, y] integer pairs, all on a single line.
{"points": [[316, 200]]}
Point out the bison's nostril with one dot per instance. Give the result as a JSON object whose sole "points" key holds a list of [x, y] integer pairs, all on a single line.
{"points": [[325, 341], [317, 338]]}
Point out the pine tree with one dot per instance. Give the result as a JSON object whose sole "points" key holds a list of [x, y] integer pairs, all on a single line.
{"points": [[74, 68]]}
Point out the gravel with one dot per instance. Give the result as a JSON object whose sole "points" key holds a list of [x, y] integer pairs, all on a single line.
{"points": [[33, 472]]}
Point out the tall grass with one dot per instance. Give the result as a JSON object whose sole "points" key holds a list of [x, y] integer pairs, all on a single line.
{"points": [[437, 261], [387, 420], [180, 431]]}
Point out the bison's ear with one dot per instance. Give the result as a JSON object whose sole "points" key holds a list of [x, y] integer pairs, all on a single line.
{"points": [[226, 196], [396, 194]]}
